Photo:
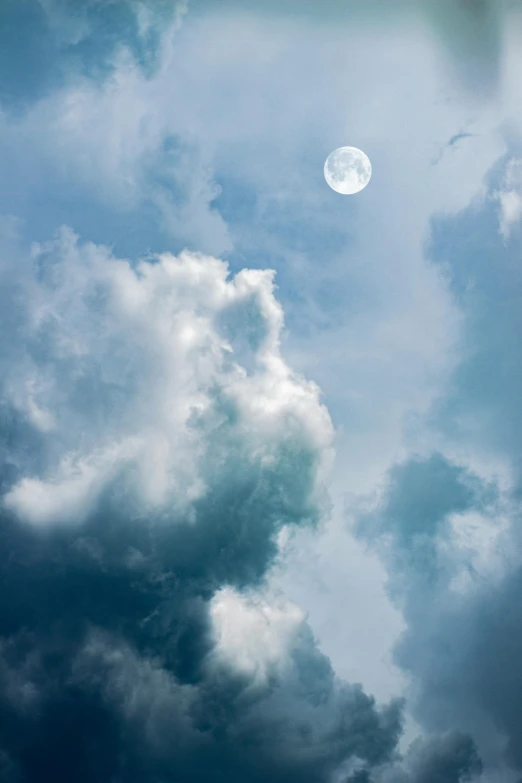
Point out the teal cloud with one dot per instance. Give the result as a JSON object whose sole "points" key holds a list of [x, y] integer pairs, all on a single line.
{"points": [[46, 43]]}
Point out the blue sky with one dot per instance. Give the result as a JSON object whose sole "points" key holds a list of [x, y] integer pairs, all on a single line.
{"points": [[260, 442]]}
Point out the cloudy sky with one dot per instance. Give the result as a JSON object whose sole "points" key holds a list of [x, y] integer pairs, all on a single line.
{"points": [[261, 444]]}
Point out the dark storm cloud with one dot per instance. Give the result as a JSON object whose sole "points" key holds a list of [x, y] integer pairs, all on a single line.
{"points": [[115, 664], [448, 758], [104, 676], [44, 43]]}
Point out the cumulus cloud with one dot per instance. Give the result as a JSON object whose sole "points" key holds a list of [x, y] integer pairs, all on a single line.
{"points": [[448, 758], [126, 364], [139, 526], [128, 367], [71, 495], [253, 635], [416, 523], [456, 592]]}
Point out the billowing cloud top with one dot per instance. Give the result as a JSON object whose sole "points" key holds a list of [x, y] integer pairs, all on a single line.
{"points": [[161, 443]]}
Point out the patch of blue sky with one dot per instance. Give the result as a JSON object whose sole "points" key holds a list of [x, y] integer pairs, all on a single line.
{"points": [[46, 43]]}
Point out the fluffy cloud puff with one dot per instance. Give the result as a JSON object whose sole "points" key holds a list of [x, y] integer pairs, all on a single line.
{"points": [[154, 444]]}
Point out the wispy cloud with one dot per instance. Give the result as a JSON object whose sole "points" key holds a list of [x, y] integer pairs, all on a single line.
{"points": [[509, 197], [452, 142]]}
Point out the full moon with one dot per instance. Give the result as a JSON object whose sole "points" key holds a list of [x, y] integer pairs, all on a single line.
{"points": [[347, 170]]}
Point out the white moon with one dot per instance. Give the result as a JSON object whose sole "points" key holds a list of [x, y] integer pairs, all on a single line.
{"points": [[347, 170]]}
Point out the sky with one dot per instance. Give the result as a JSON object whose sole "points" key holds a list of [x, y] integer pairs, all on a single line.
{"points": [[260, 443]]}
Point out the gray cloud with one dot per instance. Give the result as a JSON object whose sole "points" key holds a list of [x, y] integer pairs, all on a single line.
{"points": [[137, 532], [448, 758], [462, 641], [470, 31], [414, 514]]}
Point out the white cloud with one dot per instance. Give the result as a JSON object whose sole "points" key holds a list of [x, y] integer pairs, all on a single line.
{"points": [[477, 544], [134, 365], [254, 633], [70, 495], [510, 198], [68, 499]]}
